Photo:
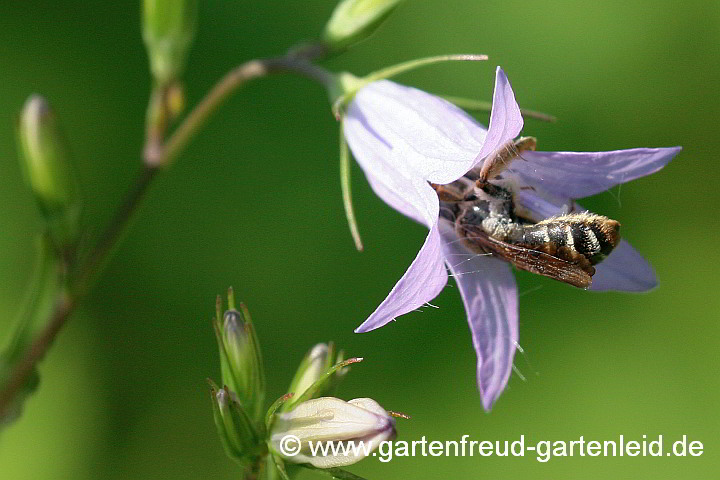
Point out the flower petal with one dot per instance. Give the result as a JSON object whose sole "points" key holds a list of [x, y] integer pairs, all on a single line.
{"points": [[537, 206], [578, 174], [422, 282], [400, 203], [624, 270], [506, 121], [429, 136], [487, 287], [410, 195]]}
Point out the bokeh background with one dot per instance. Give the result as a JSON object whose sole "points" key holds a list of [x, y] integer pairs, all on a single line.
{"points": [[255, 203]]}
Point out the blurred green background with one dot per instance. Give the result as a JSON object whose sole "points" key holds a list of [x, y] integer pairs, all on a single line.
{"points": [[255, 203]]}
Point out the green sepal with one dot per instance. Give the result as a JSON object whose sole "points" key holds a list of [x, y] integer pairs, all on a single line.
{"points": [[307, 372], [315, 390], [485, 106], [277, 404], [240, 357], [280, 466], [237, 431], [346, 186], [347, 85]]}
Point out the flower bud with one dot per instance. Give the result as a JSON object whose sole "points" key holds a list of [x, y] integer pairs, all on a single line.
{"points": [[312, 368], [237, 433], [240, 360], [328, 432], [354, 20], [318, 375], [45, 159], [168, 31]]}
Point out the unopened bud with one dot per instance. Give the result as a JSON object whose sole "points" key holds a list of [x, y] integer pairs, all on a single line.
{"points": [[236, 430], [318, 375], [354, 20], [312, 431], [168, 31], [311, 369], [240, 360], [45, 158]]}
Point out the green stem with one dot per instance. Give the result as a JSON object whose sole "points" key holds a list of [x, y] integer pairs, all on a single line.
{"points": [[85, 275], [23, 369]]}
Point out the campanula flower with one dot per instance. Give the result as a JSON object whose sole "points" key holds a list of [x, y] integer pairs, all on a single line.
{"points": [[404, 139]]}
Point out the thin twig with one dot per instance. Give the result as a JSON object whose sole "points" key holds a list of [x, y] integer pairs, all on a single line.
{"points": [[23, 369], [85, 275]]}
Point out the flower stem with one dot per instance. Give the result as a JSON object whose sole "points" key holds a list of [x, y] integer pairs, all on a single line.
{"points": [[85, 274]]}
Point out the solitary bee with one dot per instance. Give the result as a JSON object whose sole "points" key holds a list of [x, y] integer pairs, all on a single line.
{"points": [[564, 247]]}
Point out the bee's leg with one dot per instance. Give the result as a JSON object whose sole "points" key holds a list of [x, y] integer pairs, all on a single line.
{"points": [[499, 160], [493, 190], [523, 144], [451, 193]]}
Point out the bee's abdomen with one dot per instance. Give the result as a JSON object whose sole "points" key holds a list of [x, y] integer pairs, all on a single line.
{"points": [[578, 237]]}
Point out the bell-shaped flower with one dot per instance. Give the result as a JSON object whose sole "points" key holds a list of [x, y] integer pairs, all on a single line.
{"points": [[328, 432], [404, 139]]}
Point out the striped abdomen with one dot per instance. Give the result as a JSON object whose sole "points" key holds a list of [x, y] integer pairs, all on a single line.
{"points": [[581, 238]]}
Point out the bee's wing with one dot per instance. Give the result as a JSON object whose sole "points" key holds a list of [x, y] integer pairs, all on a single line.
{"points": [[533, 261]]}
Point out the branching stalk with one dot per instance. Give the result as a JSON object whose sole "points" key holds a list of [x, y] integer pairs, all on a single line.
{"points": [[160, 156]]}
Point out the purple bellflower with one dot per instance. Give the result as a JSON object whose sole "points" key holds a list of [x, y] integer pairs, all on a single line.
{"points": [[404, 138]]}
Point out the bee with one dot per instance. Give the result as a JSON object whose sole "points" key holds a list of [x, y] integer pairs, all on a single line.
{"points": [[564, 247]]}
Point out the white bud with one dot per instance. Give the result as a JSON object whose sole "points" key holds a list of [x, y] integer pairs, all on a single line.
{"points": [[351, 431]]}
